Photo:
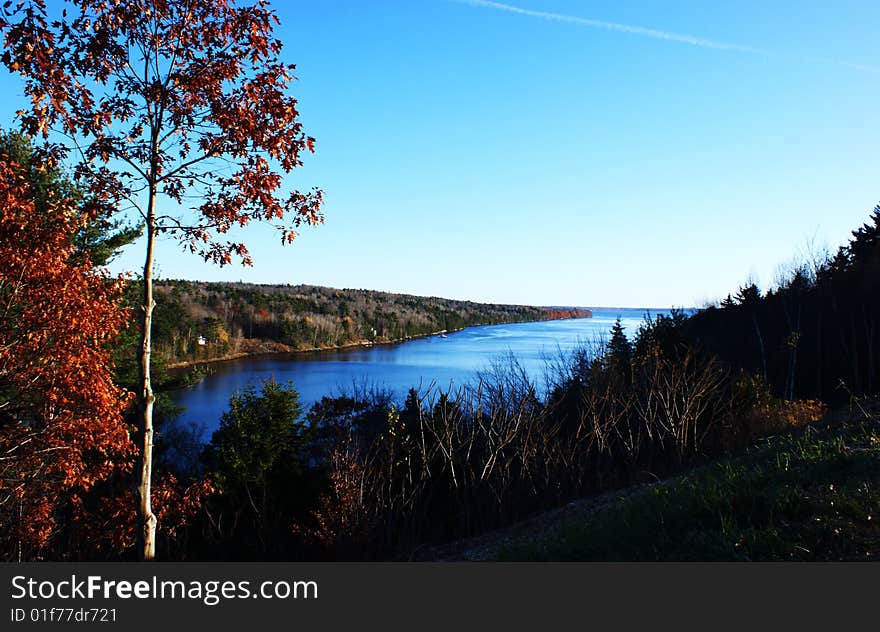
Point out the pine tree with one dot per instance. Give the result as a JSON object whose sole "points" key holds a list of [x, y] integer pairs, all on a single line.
{"points": [[619, 349], [98, 235], [748, 294], [864, 248]]}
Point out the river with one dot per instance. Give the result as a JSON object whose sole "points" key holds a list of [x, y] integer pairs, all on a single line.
{"points": [[444, 361]]}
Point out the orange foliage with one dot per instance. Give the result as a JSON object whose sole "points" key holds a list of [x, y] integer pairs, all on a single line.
{"points": [[801, 412], [340, 517], [562, 314], [112, 528], [779, 417], [61, 424]]}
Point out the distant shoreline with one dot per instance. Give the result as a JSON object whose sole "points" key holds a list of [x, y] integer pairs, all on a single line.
{"points": [[271, 348]]}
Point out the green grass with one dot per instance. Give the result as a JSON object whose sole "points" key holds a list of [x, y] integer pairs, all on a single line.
{"points": [[813, 495]]}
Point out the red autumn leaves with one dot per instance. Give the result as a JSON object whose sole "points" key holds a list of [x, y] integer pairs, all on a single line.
{"points": [[61, 425]]}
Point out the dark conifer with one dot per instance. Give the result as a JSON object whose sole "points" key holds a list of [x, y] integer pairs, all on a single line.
{"points": [[619, 349]]}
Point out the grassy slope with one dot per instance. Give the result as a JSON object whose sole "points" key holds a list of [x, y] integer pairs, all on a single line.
{"points": [[813, 495]]}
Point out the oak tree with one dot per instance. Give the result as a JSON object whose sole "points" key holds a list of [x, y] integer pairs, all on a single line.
{"points": [[176, 111]]}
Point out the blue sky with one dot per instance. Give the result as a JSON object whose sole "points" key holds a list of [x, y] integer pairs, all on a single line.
{"points": [[475, 152]]}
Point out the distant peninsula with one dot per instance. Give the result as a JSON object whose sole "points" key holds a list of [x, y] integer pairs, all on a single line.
{"points": [[196, 321]]}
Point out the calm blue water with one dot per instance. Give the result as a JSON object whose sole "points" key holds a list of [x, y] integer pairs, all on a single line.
{"points": [[447, 362]]}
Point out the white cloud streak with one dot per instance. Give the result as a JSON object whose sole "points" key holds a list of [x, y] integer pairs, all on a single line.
{"points": [[655, 34]]}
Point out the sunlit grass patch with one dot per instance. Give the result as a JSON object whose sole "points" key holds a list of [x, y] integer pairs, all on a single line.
{"points": [[814, 495]]}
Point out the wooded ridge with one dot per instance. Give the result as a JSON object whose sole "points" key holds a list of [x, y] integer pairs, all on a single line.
{"points": [[198, 321]]}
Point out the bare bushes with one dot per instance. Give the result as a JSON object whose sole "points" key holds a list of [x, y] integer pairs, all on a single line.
{"points": [[452, 464]]}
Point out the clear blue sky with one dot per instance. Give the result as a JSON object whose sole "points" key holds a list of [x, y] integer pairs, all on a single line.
{"points": [[476, 152]]}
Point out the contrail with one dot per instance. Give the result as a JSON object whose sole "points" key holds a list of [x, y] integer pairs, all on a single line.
{"points": [[655, 34]]}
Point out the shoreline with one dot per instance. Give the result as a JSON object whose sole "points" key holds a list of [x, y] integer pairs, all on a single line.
{"points": [[281, 349]]}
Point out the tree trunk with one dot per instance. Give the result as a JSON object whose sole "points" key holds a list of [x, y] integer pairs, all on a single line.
{"points": [[857, 373], [796, 335], [819, 353], [147, 522], [869, 344], [760, 346]]}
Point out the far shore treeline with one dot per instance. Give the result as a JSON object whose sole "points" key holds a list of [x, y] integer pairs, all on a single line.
{"points": [[197, 321]]}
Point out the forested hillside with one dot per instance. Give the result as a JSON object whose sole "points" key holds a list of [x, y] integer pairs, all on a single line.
{"points": [[816, 334], [196, 321]]}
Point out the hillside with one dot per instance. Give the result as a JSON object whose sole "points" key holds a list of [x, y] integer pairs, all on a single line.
{"points": [[809, 495], [198, 321], [813, 335]]}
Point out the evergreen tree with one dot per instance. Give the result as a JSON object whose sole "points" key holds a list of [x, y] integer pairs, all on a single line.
{"points": [[619, 349], [255, 458], [748, 294], [864, 248], [258, 432], [98, 235], [412, 411]]}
